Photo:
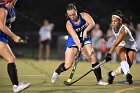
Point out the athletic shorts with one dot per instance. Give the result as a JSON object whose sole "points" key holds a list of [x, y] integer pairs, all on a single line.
{"points": [[128, 49], [3, 37], [46, 42], [70, 43]]}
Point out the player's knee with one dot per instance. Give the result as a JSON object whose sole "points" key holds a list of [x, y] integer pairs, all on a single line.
{"points": [[67, 66], [92, 60], [11, 59]]}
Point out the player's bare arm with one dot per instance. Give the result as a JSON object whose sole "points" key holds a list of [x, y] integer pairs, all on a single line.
{"points": [[73, 34], [118, 40], [90, 22], [108, 37], [3, 27]]}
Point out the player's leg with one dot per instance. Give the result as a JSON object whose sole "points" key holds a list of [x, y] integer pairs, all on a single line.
{"points": [[47, 51], [40, 51], [7, 54], [69, 57], [121, 51], [130, 59], [118, 71], [125, 66], [89, 52], [47, 46]]}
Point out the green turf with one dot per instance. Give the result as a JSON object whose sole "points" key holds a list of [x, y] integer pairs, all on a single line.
{"points": [[39, 75]]}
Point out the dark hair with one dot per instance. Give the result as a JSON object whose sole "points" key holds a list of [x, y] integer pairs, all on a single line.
{"points": [[71, 6], [121, 15]]}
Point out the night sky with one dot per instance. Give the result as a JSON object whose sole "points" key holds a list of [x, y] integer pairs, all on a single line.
{"points": [[31, 13]]}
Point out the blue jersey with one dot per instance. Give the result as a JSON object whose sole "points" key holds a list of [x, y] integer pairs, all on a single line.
{"points": [[79, 28], [10, 18]]}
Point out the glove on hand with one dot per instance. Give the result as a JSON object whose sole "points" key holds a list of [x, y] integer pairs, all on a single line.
{"points": [[108, 57]]}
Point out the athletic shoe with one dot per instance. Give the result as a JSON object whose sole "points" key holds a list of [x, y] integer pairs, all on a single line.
{"points": [[54, 77], [101, 82], [110, 78], [20, 87], [129, 78]]}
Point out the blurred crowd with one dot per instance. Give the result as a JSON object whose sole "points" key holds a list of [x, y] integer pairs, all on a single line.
{"points": [[101, 46], [98, 42]]}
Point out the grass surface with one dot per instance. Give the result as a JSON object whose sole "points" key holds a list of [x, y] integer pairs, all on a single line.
{"points": [[39, 75]]}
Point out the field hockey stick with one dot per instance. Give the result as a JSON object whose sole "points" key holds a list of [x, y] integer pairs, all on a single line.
{"points": [[66, 82], [86, 73], [24, 41], [21, 41]]}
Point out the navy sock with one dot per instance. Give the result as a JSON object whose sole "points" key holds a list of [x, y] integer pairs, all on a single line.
{"points": [[61, 68], [12, 71], [97, 71]]}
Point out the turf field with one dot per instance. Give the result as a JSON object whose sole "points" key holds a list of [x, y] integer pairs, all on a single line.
{"points": [[39, 75]]}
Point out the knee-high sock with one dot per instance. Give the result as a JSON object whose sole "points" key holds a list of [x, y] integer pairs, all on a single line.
{"points": [[12, 71], [116, 72], [97, 71], [125, 67], [61, 68]]}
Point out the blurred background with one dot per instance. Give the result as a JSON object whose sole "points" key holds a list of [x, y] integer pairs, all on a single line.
{"points": [[31, 14]]}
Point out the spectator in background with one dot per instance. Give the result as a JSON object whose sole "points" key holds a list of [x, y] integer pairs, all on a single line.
{"points": [[133, 32], [96, 35], [45, 39], [132, 29], [102, 49], [138, 43]]}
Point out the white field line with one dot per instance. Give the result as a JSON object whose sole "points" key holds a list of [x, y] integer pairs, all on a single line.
{"points": [[43, 75], [60, 75]]}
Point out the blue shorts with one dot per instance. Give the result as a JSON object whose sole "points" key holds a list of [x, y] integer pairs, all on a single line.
{"points": [[70, 43], [3, 37]]}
